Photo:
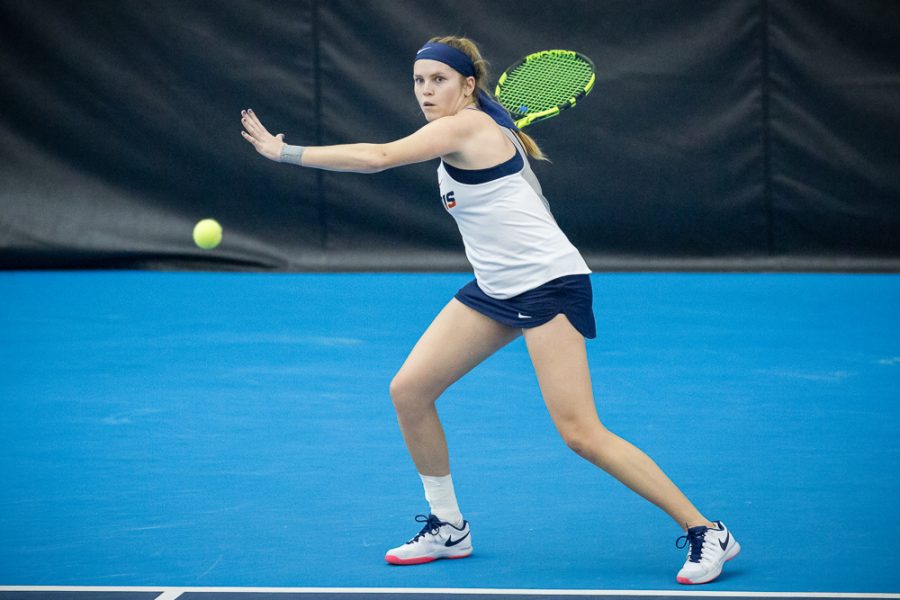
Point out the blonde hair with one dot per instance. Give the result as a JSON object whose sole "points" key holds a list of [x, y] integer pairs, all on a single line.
{"points": [[471, 50]]}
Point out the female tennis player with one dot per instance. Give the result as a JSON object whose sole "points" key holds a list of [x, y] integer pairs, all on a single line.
{"points": [[529, 280]]}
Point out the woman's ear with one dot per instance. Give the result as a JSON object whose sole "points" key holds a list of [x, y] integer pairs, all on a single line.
{"points": [[469, 87]]}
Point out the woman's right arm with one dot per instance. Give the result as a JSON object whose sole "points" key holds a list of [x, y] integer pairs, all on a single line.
{"points": [[437, 138]]}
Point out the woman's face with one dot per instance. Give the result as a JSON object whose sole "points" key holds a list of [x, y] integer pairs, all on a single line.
{"points": [[440, 90]]}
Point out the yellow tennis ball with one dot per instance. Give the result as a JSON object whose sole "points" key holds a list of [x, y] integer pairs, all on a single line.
{"points": [[207, 234]]}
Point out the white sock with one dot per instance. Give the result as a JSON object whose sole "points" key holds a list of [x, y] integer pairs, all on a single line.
{"points": [[442, 499]]}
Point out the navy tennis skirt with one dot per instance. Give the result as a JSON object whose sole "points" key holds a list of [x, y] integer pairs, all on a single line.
{"points": [[570, 295]]}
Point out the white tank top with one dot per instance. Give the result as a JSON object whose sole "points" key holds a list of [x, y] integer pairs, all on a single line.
{"points": [[512, 240]]}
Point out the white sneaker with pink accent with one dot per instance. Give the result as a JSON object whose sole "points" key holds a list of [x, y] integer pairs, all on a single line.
{"points": [[438, 539], [709, 550]]}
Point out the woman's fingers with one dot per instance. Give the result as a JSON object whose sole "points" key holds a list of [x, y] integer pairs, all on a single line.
{"points": [[252, 128], [251, 124], [254, 125], [246, 123], [264, 142]]}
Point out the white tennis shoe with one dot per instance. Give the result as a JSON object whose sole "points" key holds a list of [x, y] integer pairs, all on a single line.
{"points": [[438, 539], [709, 550]]}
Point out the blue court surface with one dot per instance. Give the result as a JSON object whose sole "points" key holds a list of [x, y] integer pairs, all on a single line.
{"points": [[197, 435]]}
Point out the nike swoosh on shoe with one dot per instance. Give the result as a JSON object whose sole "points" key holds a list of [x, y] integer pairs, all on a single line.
{"points": [[724, 544], [450, 541]]}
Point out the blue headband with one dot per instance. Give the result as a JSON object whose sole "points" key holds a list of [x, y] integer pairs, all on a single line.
{"points": [[460, 62], [448, 55]]}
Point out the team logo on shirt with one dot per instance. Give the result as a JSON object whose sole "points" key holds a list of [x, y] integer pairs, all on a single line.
{"points": [[448, 200]]}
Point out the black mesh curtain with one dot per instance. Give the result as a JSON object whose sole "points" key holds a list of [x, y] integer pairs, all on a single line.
{"points": [[739, 134]]}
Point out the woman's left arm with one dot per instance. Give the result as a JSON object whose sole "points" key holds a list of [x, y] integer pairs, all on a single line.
{"points": [[437, 138]]}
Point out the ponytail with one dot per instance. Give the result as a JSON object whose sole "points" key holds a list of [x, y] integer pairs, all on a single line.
{"points": [[531, 147]]}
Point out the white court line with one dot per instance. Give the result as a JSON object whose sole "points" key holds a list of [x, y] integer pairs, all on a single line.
{"points": [[172, 593]]}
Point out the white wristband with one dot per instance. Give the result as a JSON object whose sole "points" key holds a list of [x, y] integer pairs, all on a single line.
{"points": [[291, 154]]}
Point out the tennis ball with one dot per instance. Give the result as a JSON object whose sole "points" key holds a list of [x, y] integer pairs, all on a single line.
{"points": [[207, 234]]}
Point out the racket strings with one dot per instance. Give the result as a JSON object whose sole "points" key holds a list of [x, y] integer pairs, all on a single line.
{"points": [[543, 84]]}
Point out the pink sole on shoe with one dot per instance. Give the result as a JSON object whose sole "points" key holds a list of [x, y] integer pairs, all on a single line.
{"points": [[418, 561]]}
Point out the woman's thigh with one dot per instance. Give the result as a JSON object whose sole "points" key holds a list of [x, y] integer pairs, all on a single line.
{"points": [[559, 356], [457, 340]]}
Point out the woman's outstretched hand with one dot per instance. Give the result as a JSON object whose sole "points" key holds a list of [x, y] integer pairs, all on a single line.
{"points": [[265, 143]]}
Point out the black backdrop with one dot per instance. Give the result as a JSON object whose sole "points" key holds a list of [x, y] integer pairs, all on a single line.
{"points": [[721, 134]]}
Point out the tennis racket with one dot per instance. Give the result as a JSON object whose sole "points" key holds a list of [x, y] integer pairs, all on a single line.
{"points": [[543, 84]]}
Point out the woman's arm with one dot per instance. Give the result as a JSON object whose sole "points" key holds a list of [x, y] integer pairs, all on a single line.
{"points": [[438, 138]]}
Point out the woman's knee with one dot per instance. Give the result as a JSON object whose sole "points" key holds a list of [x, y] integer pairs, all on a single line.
{"points": [[585, 439], [409, 394]]}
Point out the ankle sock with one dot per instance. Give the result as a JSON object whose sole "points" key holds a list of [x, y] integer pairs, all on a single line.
{"points": [[442, 499]]}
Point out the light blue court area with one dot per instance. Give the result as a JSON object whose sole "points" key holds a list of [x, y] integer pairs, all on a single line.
{"points": [[202, 430]]}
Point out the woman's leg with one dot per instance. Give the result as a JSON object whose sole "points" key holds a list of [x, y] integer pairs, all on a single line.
{"points": [[560, 361], [457, 340]]}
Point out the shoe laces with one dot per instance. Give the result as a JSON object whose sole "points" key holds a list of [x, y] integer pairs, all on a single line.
{"points": [[432, 525], [695, 537]]}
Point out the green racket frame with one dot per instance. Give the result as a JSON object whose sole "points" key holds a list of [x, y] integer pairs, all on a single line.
{"points": [[509, 79]]}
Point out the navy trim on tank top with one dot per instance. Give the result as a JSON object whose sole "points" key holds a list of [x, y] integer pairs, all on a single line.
{"points": [[476, 176]]}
